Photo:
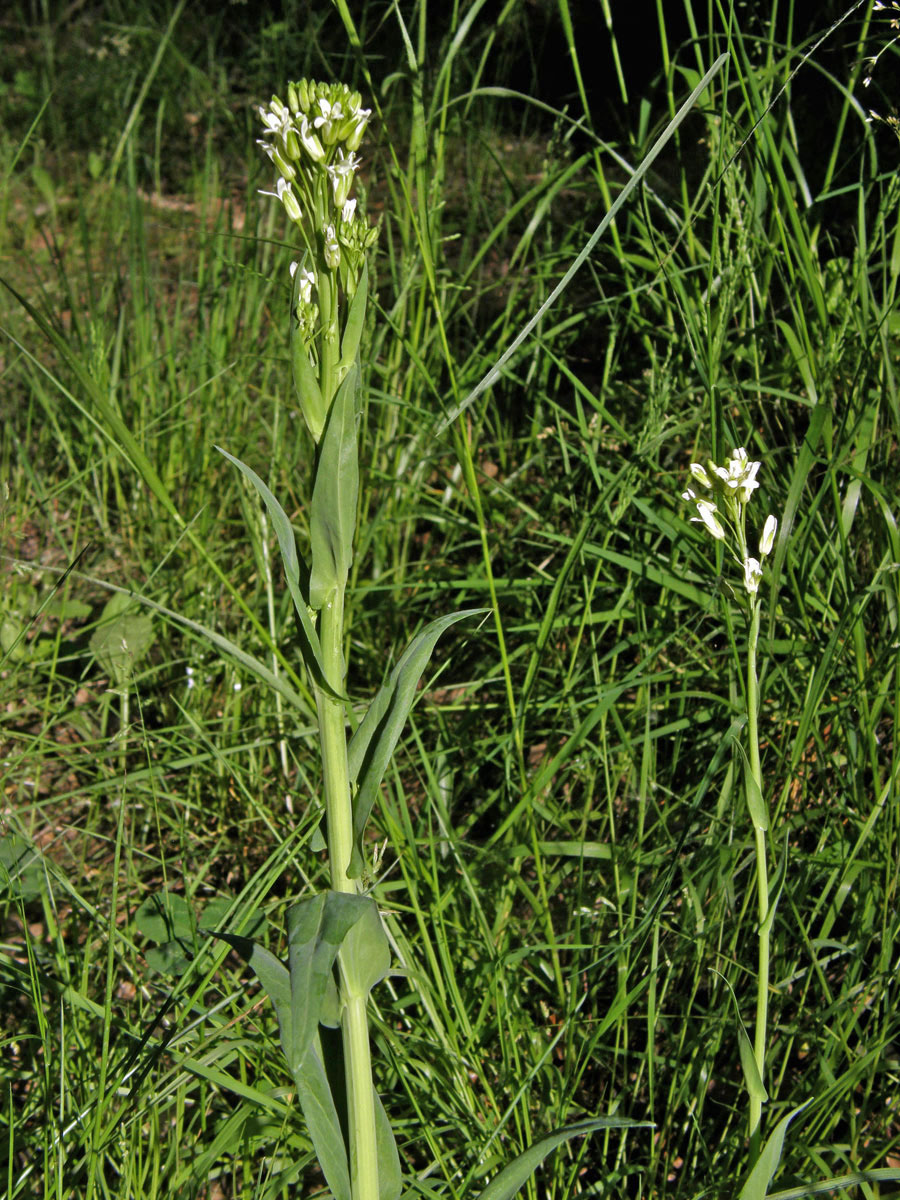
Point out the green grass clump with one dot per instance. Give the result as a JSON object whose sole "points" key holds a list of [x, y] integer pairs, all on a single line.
{"points": [[564, 859]]}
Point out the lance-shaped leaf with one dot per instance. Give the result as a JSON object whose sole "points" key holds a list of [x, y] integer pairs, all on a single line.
{"points": [[356, 316], [390, 1176], [323, 1123], [288, 546], [306, 383], [505, 1185], [317, 929], [767, 1164], [372, 745], [313, 1090], [332, 514]]}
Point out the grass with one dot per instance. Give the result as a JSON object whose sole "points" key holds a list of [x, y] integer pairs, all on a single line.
{"points": [[565, 861]]}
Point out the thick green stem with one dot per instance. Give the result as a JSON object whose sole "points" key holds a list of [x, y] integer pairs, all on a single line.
{"points": [[762, 884], [339, 816], [333, 736]]}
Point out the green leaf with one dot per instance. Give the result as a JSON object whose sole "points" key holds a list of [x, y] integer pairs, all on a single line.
{"points": [[168, 918], [272, 974], [168, 959], [323, 1122], [767, 1164], [356, 316], [288, 546], [165, 917], [752, 1077], [505, 1185], [21, 873], [390, 1176], [372, 745], [366, 952], [121, 639], [317, 928], [755, 803], [332, 514]]}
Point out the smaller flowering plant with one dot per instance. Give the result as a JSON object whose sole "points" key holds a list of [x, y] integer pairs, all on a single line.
{"points": [[723, 510]]}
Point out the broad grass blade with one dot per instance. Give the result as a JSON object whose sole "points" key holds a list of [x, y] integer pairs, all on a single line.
{"points": [[505, 1185], [332, 514], [372, 745]]}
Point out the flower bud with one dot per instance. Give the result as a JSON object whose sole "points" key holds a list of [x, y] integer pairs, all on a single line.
{"points": [[311, 143], [293, 98], [700, 475], [767, 537], [285, 168], [303, 95], [707, 511], [332, 249], [752, 575], [288, 199]]}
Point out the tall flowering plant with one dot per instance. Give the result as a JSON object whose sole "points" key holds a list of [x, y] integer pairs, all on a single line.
{"points": [[722, 503], [337, 947]]}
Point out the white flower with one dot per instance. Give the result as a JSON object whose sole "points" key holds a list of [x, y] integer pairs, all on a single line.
{"points": [[767, 537], [689, 495], [307, 283], [286, 196], [276, 118], [310, 142], [700, 475], [752, 575], [739, 475], [707, 511], [332, 249], [342, 173], [348, 210], [331, 115]]}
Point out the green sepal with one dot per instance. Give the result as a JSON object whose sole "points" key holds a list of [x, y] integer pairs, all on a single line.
{"points": [[306, 384], [332, 514], [376, 736]]}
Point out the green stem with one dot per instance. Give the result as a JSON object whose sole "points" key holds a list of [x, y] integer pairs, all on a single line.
{"points": [[762, 884], [333, 736], [339, 816]]}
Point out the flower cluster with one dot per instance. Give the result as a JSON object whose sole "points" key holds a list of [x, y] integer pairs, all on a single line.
{"points": [[729, 490], [312, 141]]}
